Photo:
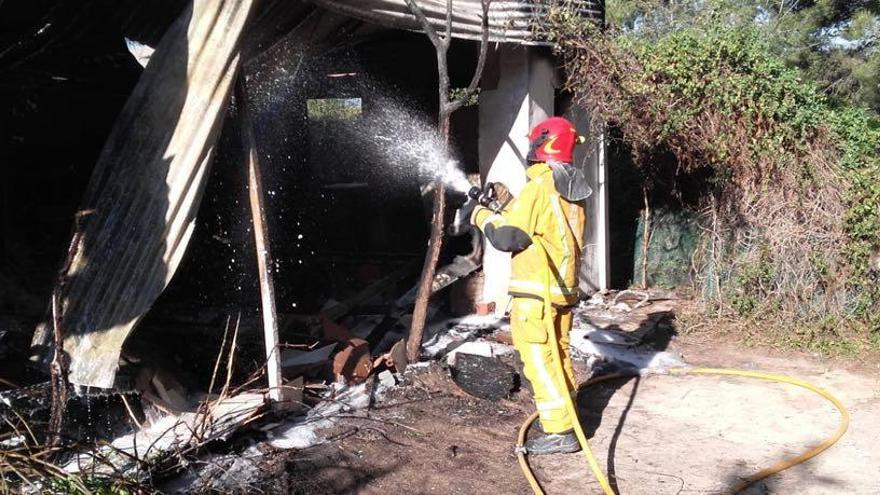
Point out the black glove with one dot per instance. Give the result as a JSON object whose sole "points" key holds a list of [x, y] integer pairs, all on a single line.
{"points": [[494, 196]]}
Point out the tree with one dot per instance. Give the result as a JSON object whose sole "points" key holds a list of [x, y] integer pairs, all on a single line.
{"points": [[448, 105], [783, 179], [834, 42]]}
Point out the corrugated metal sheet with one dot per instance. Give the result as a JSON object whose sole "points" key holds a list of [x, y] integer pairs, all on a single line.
{"points": [[509, 20], [146, 187]]}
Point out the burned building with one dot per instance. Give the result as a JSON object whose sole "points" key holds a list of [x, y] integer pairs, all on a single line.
{"points": [[149, 164]]}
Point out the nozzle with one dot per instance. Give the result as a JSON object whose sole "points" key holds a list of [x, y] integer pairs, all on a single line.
{"points": [[475, 193]]}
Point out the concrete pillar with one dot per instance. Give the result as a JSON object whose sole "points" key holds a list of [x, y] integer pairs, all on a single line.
{"points": [[591, 158], [523, 96]]}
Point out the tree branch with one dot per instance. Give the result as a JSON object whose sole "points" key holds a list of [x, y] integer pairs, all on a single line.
{"points": [[426, 24], [448, 39], [417, 327], [481, 61]]}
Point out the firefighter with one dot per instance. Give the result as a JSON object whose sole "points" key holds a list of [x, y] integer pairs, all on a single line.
{"points": [[543, 229]]}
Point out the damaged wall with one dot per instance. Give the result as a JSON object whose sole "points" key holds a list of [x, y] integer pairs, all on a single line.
{"points": [[522, 96], [141, 203]]}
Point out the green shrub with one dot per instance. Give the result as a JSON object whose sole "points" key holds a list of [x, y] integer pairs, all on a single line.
{"points": [[792, 208]]}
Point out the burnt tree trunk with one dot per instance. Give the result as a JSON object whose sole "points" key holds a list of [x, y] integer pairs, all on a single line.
{"points": [[447, 106]]}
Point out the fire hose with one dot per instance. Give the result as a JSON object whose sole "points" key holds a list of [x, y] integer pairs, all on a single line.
{"points": [[582, 438]]}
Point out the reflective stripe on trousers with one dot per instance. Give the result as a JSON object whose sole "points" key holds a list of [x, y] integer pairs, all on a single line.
{"points": [[531, 341]]}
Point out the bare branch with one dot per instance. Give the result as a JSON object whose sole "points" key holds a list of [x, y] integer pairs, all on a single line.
{"points": [[481, 61], [426, 24], [448, 39]]}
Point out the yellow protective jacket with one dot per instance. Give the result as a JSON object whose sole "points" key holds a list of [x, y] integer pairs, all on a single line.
{"points": [[539, 211]]}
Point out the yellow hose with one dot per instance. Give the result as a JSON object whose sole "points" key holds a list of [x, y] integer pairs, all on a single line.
{"points": [[569, 402], [585, 445], [764, 473], [793, 461]]}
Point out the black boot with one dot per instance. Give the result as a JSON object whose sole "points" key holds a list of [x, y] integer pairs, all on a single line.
{"points": [[553, 443]]}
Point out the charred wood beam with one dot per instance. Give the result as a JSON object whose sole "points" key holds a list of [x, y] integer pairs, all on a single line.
{"points": [[58, 366]]}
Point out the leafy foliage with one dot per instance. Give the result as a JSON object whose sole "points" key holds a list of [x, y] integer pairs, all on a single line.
{"points": [[334, 109], [859, 144], [833, 42], [791, 206], [75, 485]]}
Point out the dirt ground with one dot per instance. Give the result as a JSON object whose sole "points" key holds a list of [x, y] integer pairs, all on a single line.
{"points": [[656, 435]]}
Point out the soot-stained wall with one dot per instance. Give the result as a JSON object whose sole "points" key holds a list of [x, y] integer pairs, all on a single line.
{"points": [[65, 74], [343, 190], [335, 203]]}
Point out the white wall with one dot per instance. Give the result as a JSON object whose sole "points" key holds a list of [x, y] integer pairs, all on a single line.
{"points": [[591, 157], [523, 97]]}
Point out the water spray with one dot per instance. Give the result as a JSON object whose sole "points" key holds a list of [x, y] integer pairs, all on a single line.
{"points": [[409, 146], [454, 177]]}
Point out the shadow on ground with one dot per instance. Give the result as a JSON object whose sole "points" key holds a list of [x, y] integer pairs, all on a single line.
{"points": [[734, 481], [655, 332]]}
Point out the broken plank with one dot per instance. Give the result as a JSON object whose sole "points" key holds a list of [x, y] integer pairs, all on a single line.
{"points": [[346, 306], [263, 248], [291, 357], [341, 309]]}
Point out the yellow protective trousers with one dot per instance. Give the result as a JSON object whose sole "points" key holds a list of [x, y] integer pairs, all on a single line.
{"points": [[531, 340]]}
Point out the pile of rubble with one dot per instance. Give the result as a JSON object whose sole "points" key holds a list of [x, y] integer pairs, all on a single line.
{"points": [[350, 367]]}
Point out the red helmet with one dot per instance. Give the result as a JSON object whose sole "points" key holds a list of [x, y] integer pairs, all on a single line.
{"points": [[552, 140]]}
